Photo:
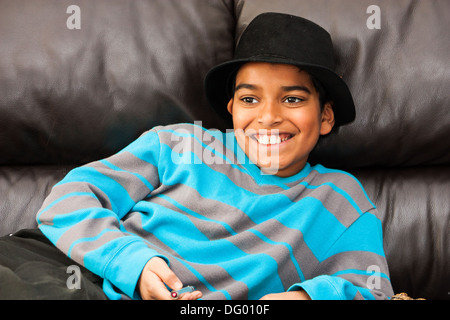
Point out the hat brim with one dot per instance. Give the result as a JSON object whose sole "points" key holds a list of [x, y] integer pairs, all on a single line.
{"points": [[217, 87]]}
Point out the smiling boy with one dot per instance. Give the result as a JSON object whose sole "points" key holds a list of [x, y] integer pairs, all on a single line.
{"points": [[269, 227]]}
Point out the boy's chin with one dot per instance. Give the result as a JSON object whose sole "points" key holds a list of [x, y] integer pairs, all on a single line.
{"points": [[268, 167], [270, 171]]}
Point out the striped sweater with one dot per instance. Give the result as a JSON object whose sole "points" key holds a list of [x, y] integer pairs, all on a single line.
{"points": [[192, 197]]}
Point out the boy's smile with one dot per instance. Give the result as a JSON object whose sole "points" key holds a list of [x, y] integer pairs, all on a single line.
{"points": [[277, 116]]}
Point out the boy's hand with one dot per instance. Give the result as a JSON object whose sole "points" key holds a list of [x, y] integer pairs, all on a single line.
{"points": [[155, 274]]}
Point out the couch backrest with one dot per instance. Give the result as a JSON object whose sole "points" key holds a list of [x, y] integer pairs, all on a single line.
{"points": [[74, 95], [77, 95]]}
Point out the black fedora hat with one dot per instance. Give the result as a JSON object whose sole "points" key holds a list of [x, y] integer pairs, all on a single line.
{"points": [[286, 39]]}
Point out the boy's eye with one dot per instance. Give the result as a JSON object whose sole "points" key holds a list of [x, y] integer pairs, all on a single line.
{"points": [[249, 100], [293, 100]]}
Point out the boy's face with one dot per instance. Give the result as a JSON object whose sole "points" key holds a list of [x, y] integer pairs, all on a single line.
{"points": [[277, 117]]}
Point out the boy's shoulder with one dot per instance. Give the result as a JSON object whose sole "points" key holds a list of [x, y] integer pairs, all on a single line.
{"points": [[339, 176], [342, 183]]}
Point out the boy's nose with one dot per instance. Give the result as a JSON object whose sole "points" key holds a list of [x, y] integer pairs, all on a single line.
{"points": [[269, 115]]}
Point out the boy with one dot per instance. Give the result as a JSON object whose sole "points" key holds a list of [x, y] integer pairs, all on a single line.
{"points": [[254, 221]]}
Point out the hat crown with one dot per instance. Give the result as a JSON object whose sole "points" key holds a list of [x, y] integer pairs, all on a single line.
{"points": [[282, 38], [286, 37]]}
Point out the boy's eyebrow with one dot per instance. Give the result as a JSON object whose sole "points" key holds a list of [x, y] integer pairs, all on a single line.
{"points": [[284, 88], [245, 86], [295, 88]]}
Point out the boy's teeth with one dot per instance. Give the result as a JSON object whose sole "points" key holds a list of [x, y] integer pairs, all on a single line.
{"points": [[272, 139]]}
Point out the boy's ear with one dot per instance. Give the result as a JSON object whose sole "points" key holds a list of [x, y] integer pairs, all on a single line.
{"points": [[327, 119], [230, 106]]}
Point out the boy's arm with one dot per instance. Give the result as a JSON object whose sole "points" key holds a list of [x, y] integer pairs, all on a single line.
{"points": [[82, 214], [354, 267]]}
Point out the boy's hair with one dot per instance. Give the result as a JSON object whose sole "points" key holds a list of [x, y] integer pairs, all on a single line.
{"points": [[322, 93]]}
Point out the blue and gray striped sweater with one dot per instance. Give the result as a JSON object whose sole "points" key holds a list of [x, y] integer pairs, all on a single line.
{"points": [[192, 197]]}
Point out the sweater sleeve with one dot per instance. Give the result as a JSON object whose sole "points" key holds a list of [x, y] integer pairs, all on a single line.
{"points": [[82, 214], [354, 267]]}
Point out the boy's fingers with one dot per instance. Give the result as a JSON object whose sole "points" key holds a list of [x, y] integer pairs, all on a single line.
{"points": [[191, 295], [151, 287], [162, 270], [155, 278], [155, 289]]}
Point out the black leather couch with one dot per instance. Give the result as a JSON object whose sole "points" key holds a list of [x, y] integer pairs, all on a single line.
{"points": [[70, 96]]}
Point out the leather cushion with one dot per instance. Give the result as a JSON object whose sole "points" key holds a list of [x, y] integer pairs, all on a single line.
{"points": [[73, 96]]}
